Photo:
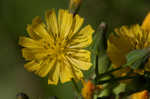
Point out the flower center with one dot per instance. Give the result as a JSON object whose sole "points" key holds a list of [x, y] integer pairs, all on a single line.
{"points": [[59, 49]]}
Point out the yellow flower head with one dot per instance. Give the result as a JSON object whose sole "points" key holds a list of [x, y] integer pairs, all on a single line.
{"points": [[140, 95], [89, 88], [56, 48], [128, 39]]}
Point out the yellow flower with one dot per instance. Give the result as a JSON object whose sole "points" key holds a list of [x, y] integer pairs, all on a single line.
{"points": [[146, 23], [140, 95], [56, 48], [89, 88], [128, 39]]}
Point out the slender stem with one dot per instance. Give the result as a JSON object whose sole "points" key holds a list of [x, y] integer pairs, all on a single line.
{"points": [[96, 67], [109, 72], [117, 97], [77, 10], [117, 79], [76, 86]]}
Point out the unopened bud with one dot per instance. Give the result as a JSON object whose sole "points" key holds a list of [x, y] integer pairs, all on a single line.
{"points": [[74, 5]]}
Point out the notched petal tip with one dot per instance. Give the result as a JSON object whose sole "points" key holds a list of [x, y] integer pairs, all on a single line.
{"points": [[49, 12], [31, 32], [91, 29], [27, 54], [29, 28], [36, 21], [21, 40]]}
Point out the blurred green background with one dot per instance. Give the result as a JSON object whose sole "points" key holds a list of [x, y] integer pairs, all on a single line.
{"points": [[15, 14]]}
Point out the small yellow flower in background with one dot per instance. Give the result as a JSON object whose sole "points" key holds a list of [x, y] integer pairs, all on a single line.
{"points": [[146, 23], [89, 88], [128, 39], [56, 48], [140, 95]]}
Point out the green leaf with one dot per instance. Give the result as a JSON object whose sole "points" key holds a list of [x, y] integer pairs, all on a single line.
{"points": [[106, 88], [119, 89], [103, 63], [105, 92], [137, 58]]}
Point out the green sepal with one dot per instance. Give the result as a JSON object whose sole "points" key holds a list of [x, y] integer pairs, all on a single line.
{"points": [[137, 58], [103, 63], [99, 47]]}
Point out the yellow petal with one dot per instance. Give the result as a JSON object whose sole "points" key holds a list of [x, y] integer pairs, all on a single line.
{"points": [[65, 73], [131, 31], [76, 72], [123, 40], [47, 65], [33, 65], [83, 65], [52, 21], [54, 74], [38, 27], [121, 44], [115, 54], [82, 39], [77, 23], [65, 20], [41, 53], [80, 59], [146, 23], [35, 53], [29, 43], [32, 34], [78, 75], [81, 54], [136, 30], [27, 54]]}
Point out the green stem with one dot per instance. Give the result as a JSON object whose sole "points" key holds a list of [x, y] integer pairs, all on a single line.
{"points": [[109, 72], [77, 10], [117, 97], [96, 67], [117, 79], [76, 87]]}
